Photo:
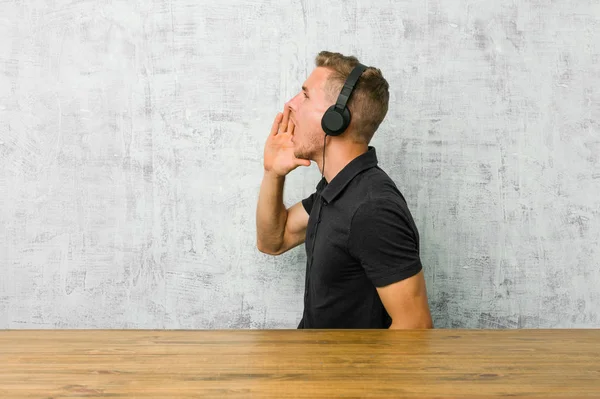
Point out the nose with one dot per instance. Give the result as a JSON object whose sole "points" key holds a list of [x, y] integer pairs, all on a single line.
{"points": [[293, 103]]}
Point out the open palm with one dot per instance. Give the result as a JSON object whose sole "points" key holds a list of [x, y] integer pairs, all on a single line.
{"points": [[279, 150]]}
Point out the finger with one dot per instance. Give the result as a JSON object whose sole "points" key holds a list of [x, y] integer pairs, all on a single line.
{"points": [[302, 162], [284, 122], [276, 123], [290, 127]]}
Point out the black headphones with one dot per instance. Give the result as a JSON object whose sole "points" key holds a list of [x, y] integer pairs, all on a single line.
{"points": [[337, 117]]}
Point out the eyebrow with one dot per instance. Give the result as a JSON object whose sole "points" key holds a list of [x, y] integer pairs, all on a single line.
{"points": [[305, 88]]}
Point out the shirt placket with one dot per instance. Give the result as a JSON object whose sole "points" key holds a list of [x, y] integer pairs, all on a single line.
{"points": [[313, 238]]}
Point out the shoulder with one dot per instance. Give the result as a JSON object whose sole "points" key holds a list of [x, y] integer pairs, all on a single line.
{"points": [[383, 209], [379, 191], [387, 208], [375, 181]]}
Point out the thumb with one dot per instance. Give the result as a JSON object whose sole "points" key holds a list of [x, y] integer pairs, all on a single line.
{"points": [[302, 162]]}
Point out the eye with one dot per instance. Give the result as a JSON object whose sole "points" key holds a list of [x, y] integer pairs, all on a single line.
{"points": [[305, 96]]}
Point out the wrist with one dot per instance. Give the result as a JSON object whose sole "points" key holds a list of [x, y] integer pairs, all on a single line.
{"points": [[273, 175]]}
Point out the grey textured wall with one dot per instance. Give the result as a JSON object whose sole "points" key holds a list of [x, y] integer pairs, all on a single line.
{"points": [[131, 138]]}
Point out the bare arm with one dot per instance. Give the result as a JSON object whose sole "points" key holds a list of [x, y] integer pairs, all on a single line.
{"points": [[406, 303], [384, 241], [278, 229]]}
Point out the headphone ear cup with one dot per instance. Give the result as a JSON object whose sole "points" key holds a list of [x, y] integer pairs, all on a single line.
{"points": [[334, 121]]}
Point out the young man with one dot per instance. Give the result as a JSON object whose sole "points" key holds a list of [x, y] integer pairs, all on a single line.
{"points": [[362, 245]]}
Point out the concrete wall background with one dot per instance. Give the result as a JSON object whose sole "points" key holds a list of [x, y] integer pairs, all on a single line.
{"points": [[131, 138]]}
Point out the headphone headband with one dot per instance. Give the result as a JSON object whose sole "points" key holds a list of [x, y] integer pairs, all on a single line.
{"points": [[346, 91]]}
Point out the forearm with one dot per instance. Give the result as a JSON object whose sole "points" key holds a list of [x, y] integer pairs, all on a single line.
{"points": [[271, 214], [421, 321]]}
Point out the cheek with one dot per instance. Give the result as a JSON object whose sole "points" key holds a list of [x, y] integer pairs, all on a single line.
{"points": [[310, 122], [313, 120]]}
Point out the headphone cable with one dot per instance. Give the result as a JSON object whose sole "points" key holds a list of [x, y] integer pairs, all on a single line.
{"points": [[323, 171]]}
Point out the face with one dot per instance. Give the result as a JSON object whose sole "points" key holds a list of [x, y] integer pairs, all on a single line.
{"points": [[307, 109]]}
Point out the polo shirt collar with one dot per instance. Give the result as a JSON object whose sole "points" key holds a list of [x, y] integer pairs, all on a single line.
{"points": [[359, 164]]}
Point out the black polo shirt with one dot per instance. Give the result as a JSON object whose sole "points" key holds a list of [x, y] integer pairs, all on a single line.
{"points": [[360, 235]]}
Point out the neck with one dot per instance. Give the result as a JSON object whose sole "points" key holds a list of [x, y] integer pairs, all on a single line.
{"points": [[338, 154]]}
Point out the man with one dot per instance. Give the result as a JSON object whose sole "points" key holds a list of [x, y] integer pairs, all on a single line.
{"points": [[362, 246]]}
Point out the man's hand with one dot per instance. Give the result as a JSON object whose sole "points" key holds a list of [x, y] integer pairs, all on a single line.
{"points": [[279, 155]]}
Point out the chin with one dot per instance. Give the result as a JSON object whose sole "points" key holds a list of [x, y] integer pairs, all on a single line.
{"points": [[301, 155]]}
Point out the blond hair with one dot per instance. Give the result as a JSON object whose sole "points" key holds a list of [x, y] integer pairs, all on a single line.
{"points": [[368, 103]]}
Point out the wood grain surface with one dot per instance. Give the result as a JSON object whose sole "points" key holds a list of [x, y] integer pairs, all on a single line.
{"points": [[299, 363]]}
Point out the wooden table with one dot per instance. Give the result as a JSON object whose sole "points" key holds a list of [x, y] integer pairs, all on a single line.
{"points": [[303, 364]]}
